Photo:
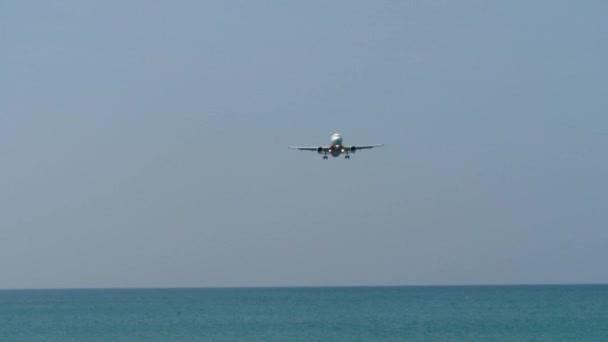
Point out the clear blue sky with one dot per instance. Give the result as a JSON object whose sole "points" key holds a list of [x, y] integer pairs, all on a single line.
{"points": [[144, 143]]}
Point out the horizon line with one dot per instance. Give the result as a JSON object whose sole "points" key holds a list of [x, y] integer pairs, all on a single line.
{"points": [[296, 286]]}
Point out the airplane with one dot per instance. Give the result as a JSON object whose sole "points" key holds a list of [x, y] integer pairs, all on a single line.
{"points": [[335, 148]]}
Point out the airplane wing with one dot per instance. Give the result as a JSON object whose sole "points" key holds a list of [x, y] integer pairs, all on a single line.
{"points": [[363, 147], [307, 148]]}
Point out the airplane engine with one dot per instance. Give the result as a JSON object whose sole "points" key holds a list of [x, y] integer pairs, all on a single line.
{"points": [[319, 149], [353, 149]]}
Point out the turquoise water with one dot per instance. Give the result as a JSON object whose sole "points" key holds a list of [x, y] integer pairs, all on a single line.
{"points": [[470, 313]]}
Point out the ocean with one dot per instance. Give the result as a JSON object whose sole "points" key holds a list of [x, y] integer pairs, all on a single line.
{"points": [[440, 313]]}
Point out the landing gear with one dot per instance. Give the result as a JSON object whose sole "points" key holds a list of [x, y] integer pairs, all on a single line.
{"points": [[324, 157], [347, 157]]}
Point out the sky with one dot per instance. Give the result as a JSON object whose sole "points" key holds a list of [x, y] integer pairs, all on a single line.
{"points": [[144, 143]]}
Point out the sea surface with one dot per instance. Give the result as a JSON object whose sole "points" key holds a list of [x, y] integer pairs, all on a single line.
{"points": [[450, 313]]}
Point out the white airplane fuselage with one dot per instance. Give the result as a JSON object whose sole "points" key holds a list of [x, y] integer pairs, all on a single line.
{"points": [[335, 146]]}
